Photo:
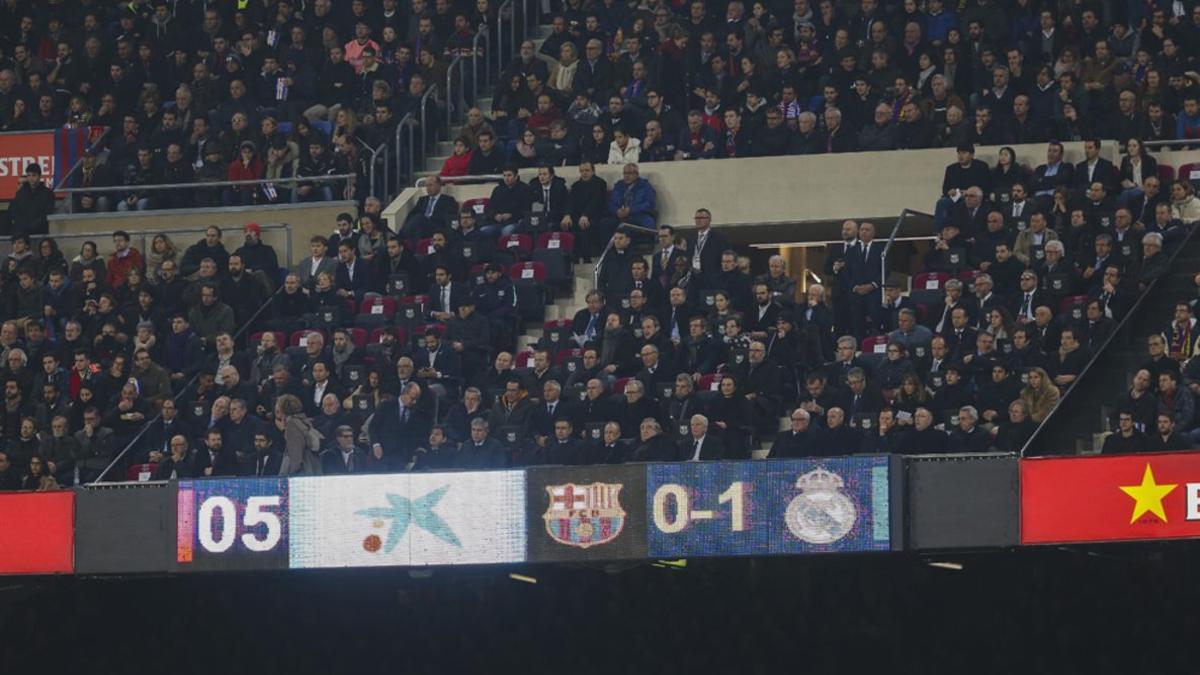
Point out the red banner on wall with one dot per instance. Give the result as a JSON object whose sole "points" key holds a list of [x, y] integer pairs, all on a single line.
{"points": [[37, 532], [1117, 498], [55, 150]]}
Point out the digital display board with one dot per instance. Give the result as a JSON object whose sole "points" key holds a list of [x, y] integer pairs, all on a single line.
{"points": [[408, 519], [767, 508], [232, 524], [586, 513]]}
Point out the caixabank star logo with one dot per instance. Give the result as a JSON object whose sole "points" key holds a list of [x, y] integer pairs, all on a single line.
{"points": [[1115, 498]]}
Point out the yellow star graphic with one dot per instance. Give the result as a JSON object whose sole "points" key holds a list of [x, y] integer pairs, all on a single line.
{"points": [[1148, 496]]}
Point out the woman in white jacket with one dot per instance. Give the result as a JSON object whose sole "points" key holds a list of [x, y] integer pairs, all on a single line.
{"points": [[624, 149], [1184, 204]]}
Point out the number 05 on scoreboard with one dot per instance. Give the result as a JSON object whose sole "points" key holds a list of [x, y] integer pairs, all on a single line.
{"points": [[232, 524]]}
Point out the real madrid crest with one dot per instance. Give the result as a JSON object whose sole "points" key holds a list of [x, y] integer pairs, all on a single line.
{"points": [[821, 513]]}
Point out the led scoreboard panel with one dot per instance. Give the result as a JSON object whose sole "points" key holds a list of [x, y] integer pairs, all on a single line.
{"points": [[770, 508], [542, 514]]}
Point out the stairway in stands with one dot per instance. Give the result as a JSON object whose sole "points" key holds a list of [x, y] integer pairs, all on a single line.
{"points": [[443, 148], [1082, 423]]}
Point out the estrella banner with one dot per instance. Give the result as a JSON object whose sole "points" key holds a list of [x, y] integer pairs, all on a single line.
{"points": [[1110, 498], [408, 519], [770, 508], [55, 150]]}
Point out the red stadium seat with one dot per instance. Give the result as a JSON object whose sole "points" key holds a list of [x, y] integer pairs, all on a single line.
{"points": [[565, 355], [424, 247], [1189, 172], [439, 328], [384, 307], [929, 281], [875, 344], [1166, 173], [557, 332], [302, 335], [709, 382], [1074, 305], [140, 473], [968, 276], [358, 337], [619, 385], [377, 334], [478, 205], [564, 241], [520, 245], [529, 271], [524, 359], [280, 337]]}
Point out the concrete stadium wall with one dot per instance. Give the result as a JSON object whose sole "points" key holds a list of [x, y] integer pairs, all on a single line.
{"points": [[799, 189], [305, 221]]}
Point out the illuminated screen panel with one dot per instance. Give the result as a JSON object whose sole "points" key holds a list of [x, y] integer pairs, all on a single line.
{"points": [[772, 507], [582, 513], [237, 524], [408, 519]]}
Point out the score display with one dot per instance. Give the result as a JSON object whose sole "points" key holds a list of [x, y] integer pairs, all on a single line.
{"points": [[232, 524], [768, 508]]}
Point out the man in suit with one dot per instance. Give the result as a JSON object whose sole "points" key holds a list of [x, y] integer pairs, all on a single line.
{"points": [[564, 448], [344, 457], [549, 410], [762, 380], [866, 277], [267, 459], [970, 214], [1030, 297], [1096, 169], [611, 449], [438, 365], [157, 439], [213, 459], [480, 451], [886, 316], [397, 427], [444, 295], [764, 314], [706, 246], [840, 260], [1114, 299], [986, 300], [701, 446], [588, 324], [316, 264], [432, 212], [662, 264], [858, 398], [1019, 208], [803, 440], [353, 276], [960, 336], [654, 371]]}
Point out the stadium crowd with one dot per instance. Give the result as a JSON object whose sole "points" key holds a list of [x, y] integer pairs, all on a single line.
{"points": [[387, 351], [696, 80]]}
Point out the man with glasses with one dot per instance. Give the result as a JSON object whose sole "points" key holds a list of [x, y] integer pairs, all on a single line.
{"points": [[1030, 297], [1126, 439], [345, 456]]}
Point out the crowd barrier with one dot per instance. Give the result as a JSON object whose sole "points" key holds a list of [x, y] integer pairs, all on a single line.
{"points": [[630, 512]]}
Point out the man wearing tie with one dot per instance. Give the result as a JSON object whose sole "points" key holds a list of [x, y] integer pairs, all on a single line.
{"points": [[663, 263], [444, 295], [866, 277], [839, 265], [588, 323], [706, 247], [344, 457], [701, 446], [432, 212], [396, 428]]}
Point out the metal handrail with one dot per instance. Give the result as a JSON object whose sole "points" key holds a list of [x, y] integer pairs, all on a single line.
{"points": [[79, 162], [500, 35], [888, 247], [600, 263], [475, 61], [207, 184], [142, 432], [141, 239], [1107, 342], [405, 125], [463, 180], [424, 113], [374, 159], [1189, 143], [457, 61]]}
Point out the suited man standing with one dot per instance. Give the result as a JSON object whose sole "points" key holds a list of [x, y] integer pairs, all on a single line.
{"points": [[396, 428], [353, 276], [432, 212], [839, 266], [706, 246], [663, 262], [701, 446], [344, 457], [444, 295], [866, 277], [318, 263]]}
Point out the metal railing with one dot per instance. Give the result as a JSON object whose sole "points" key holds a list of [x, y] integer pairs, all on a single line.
{"points": [[375, 160], [143, 239], [405, 126], [184, 390], [454, 104], [1124, 323], [883, 259], [160, 187], [425, 130], [1180, 144], [463, 180]]}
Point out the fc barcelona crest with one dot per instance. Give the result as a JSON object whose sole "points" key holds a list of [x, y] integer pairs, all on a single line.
{"points": [[584, 515]]}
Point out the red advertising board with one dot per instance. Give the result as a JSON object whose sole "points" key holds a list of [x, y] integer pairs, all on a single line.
{"points": [[1115, 498], [37, 532], [19, 150]]}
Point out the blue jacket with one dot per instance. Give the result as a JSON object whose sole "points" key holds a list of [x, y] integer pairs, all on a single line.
{"points": [[639, 197]]}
